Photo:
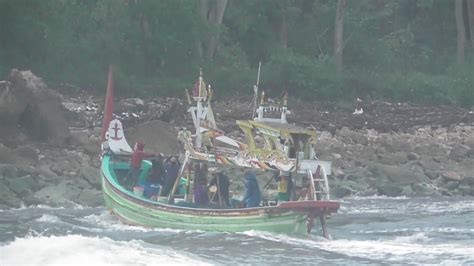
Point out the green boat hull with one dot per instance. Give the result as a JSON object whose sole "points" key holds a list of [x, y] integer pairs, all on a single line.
{"points": [[136, 210]]}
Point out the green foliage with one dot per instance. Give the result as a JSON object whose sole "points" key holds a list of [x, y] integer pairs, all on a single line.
{"points": [[302, 76], [400, 50]]}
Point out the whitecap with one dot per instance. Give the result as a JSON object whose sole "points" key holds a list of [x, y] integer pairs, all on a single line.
{"points": [[376, 197], [415, 238], [109, 222], [47, 218], [399, 249], [81, 250]]}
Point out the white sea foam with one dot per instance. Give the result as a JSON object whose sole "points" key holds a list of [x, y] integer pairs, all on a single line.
{"points": [[415, 238], [47, 218], [417, 229], [69, 205], [399, 249], [372, 205], [110, 223], [376, 197], [81, 250]]}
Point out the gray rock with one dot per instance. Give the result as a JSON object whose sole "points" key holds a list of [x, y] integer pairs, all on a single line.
{"points": [[451, 175], [394, 144], [91, 198], [61, 193], [351, 136], [424, 189], [466, 190], [22, 186], [407, 191], [359, 138], [91, 175], [406, 174], [459, 152], [39, 108], [6, 155], [31, 200], [83, 139], [28, 152], [45, 171], [8, 171], [451, 185], [148, 133], [27, 170], [431, 148], [341, 191], [468, 181], [8, 198], [390, 190], [413, 156], [395, 158]]}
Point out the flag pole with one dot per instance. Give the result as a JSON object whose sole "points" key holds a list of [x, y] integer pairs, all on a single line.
{"points": [[255, 90], [109, 104]]}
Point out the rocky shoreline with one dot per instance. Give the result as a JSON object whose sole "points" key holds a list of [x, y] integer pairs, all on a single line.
{"points": [[426, 151]]}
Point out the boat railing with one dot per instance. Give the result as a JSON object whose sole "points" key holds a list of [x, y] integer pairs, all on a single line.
{"points": [[319, 187]]}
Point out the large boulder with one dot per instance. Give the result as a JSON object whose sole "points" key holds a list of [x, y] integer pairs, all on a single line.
{"points": [[91, 198], [8, 198], [89, 143], [91, 175], [406, 174], [25, 100], [63, 192], [390, 190], [6, 154], [22, 186], [459, 152], [158, 136]]}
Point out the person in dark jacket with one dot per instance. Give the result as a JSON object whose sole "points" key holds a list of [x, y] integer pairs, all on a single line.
{"points": [[171, 173], [253, 196], [157, 171], [221, 181], [201, 194], [155, 178], [137, 157]]}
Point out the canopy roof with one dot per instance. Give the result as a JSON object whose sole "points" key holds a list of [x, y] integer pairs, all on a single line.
{"points": [[283, 128]]}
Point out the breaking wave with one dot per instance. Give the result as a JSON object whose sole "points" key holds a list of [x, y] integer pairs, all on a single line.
{"points": [[81, 250]]}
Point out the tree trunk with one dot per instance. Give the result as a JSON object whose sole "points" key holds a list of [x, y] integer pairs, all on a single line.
{"points": [[461, 37], [215, 17], [380, 6], [203, 11], [470, 12], [283, 31], [338, 35], [146, 35]]}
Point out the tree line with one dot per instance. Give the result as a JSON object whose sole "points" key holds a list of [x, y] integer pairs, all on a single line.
{"points": [[400, 50]]}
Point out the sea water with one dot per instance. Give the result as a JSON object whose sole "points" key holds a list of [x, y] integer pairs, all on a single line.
{"points": [[370, 230]]}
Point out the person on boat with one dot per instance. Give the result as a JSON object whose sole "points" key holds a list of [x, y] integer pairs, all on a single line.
{"points": [[171, 173], [285, 186], [201, 195], [221, 181], [137, 157], [206, 142], [253, 196], [155, 178]]}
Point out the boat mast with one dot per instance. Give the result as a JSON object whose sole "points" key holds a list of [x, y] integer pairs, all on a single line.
{"points": [[255, 91], [109, 104], [198, 112]]}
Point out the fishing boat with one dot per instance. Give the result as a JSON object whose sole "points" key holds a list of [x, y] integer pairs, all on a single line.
{"points": [[273, 145]]}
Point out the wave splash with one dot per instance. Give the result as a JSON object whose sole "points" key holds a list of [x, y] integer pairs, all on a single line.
{"points": [[77, 249], [399, 249]]}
